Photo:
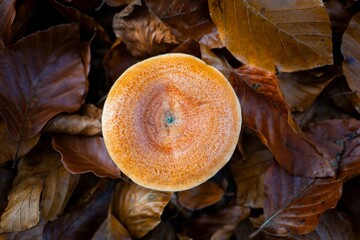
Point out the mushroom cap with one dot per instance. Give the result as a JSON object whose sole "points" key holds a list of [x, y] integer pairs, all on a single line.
{"points": [[171, 122]]}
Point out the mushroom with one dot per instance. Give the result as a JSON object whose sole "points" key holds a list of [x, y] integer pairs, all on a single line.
{"points": [[171, 122]]}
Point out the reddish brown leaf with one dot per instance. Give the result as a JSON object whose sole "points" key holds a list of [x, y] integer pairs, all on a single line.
{"points": [[81, 222], [288, 35], [332, 225], [187, 19], [86, 122], [138, 208], [249, 172], [7, 9], [294, 204], [206, 225], [143, 33], [85, 154], [9, 147], [345, 133], [351, 52], [201, 196], [42, 75], [264, 110]]}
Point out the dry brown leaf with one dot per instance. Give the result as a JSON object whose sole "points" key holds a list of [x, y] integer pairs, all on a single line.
{"points": [[204, 195], [293, 204], [225, 221], [86, 122], [9, 147], [34, 233], [288, 35], [138, 208], [249, 172], [350, 49], [300, 89], [264, 111], [143, 33], [58, 188], [187, 19], [111, 229], [50, 80], [23, 209], [117, 3], [85, 154]]}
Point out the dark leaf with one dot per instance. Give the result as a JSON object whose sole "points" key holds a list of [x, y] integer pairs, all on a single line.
{"points": [[42, 75], [294, 204], [85, 154], [8, 11]]}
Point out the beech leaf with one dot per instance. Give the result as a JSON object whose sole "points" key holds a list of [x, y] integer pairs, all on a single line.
{"points": [[50, 80], [204, 195], [143, 33], [350, 49], [187, 19], [264, 111], [85, 154], [294, 204], [23, 210], [139, 209], [58, 188], [288, 35]]}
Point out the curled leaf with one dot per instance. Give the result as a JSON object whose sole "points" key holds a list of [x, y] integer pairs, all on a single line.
{"points": [[85, 154], [143, 33], [138, 208]]}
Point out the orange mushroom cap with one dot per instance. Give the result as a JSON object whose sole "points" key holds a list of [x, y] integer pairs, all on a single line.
{"points": [[171, 122]]}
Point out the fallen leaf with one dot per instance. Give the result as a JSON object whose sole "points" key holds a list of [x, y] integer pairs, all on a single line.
{"points": [[50, 80], [204, 195], [300, 89], [10, 149], [163, 231], [111, 229], [23, 210], [187, 19], [249, 172], [351, 52], [81, 154], [143, 33], [117, 3], [339, 13], [264, 111], [87, 23], [206, 225], [139, 209], [81, 221], [7, 8], [288, 35], [294, 204], [58, 188], [332, 225], [74, 124]]}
